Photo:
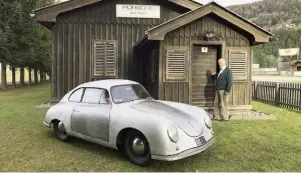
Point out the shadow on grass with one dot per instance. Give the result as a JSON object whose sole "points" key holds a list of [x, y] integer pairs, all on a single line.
{"points": [[185, 164], [90, 147]]}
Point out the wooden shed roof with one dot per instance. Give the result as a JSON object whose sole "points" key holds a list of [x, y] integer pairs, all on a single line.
{"points": [[260, 35], [47, 15]]}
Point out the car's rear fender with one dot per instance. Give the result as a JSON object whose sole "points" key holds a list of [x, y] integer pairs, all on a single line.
{"points": [[62, 112]]}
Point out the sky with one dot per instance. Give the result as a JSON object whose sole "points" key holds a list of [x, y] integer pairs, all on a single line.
{"points": [[222, 2], [227, 2]]}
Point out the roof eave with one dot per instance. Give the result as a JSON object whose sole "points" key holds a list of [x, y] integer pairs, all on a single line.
{"points": [[49, 13], [158, 33]]}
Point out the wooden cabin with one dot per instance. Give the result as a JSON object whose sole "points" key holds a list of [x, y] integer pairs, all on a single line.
{"points": [[296, 66], [169, 46]]}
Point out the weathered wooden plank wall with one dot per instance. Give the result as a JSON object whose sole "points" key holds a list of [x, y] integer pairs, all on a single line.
{"points": [[196, 30], [75, 30]]}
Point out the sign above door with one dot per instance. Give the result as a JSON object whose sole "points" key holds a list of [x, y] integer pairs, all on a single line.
{"points": [[137, 11], [204, 49]]}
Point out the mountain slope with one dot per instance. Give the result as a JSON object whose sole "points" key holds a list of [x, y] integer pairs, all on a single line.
{"points": [[281, 17], [271, 14]]}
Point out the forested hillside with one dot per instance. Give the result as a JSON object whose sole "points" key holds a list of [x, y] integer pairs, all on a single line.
{"points": [[281, 17]]}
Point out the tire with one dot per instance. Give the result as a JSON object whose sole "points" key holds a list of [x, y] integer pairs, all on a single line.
{"points": [[142, 159], [62, 136]]}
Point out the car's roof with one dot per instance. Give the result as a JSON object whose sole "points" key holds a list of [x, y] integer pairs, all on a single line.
{"points": [[107, 84]]}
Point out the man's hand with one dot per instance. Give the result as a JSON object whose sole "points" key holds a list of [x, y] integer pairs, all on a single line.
{"points": [[226, 93]]}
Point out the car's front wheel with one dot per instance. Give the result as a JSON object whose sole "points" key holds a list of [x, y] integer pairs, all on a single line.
{"points": [[59, 130], [137, 148]]}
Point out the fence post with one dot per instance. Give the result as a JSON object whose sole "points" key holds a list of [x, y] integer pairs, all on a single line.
{"points": [[277, 94], [255, 90]]}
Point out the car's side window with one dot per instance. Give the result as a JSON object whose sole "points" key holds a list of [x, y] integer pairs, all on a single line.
{"points": [[76, 96], [92, 95], [105, 98]]}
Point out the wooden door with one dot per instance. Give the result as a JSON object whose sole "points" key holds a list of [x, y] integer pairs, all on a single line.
{"points": [[204, 64]]}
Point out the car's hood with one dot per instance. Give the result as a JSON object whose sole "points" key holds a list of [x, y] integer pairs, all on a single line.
{"points": [[190, 125]]}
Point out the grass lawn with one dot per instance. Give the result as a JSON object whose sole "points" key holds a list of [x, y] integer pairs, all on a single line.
{"points": [[241, 146]]}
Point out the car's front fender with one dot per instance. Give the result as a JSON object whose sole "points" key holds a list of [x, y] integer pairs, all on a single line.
{"points": [[152, 127]]}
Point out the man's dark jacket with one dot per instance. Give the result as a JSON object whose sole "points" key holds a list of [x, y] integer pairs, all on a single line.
{"points": [[224, 81]]}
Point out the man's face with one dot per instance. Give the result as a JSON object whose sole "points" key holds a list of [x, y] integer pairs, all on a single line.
{"points": [[221, 63]]}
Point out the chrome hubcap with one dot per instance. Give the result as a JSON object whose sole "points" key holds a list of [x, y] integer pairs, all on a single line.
{"points": [[61, 128], [138, 146]]}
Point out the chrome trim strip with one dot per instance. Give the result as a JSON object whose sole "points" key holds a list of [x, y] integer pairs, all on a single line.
{"points": [[46, 124], [186, 153]]}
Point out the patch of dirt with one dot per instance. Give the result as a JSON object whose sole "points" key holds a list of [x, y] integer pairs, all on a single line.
{"points": [[45, 105]]}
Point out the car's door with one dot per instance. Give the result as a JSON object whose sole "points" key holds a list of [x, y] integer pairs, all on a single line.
{"points": [[91, 116]]}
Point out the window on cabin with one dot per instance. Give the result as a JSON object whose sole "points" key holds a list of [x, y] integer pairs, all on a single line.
{"points": [[238, 64], [176, 64], [105, 59]]}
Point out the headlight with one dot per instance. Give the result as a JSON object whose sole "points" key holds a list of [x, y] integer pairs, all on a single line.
{"points": [[208, 121], [173, 133]]}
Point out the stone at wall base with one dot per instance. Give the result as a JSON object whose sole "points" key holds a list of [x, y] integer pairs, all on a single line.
{"points": [[254, 115]]}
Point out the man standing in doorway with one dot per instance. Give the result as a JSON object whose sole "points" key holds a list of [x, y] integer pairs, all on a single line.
{"points": [[223, 87]]}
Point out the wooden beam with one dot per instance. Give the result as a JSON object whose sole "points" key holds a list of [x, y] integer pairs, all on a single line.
{"points": [[259, 35], [50, 13], [159, 32], [188, 4]]}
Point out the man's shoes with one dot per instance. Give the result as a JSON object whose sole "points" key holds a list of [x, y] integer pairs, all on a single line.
{"points": [[224, 120], [230, 115]]}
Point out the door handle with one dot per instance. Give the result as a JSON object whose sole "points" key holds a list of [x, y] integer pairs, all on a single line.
{"points": [[75, 110]]}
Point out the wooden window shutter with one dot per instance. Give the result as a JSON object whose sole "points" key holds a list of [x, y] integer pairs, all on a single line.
{"points": [[176, 64], [105, 59], [238, 64], [99, 58], [110, 62]]}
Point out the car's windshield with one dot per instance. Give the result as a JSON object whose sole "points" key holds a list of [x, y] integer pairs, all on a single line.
{"points": [[126, 93]]}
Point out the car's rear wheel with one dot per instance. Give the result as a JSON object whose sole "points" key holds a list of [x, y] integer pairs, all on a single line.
{"points": [[137, 148], [59, 130]]}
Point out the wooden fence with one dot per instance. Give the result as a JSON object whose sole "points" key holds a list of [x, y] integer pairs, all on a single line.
{"points": [[287, 95]]}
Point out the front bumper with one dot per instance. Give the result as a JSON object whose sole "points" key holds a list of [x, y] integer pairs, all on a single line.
{"points": [[46, 124], [184, 154]]}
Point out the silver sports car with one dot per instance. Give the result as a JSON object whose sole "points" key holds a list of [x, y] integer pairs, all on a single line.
{"points": [[121, 114]]}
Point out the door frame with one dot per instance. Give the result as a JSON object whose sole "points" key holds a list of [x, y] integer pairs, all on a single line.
{"points": [[220, 44]]}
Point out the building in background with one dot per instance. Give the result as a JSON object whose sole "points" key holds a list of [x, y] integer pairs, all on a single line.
{"points": [[296, 67], [169, 46]]}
